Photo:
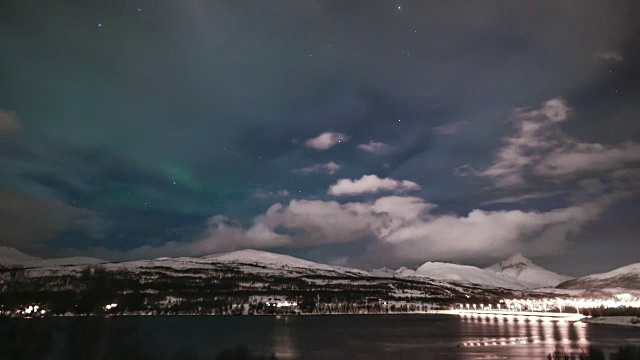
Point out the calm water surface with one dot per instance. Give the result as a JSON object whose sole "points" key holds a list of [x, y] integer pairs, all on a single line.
{"points": [[326, 337]]}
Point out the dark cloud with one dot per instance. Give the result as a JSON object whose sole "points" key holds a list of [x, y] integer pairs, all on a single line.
{"points": [[9, 122], [29, 222]]}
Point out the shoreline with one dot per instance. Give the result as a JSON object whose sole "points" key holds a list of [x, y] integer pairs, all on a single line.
{"points": [[529, 315], [613, 320]]}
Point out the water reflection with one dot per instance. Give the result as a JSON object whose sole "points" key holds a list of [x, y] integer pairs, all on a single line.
{"points": [[284, 346], [517, 330]]}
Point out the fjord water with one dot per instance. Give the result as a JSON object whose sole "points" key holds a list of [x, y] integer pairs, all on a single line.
{"points": [[309, 337]]}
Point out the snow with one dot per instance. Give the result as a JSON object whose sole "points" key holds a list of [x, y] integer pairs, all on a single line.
{"points": [[624, 279], [527, 273], [633, 269], [516, 272], [404, 272], [13, 258], [467, 274], [249, 256], [383, 272], [569, 292], [389, 273]]}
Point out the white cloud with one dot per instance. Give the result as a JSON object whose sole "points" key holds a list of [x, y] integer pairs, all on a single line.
{"points": [[613, 56], [326, 140], [555, 110], [328, 168], [375, 147], [9, 121], [539, 149], [580, 157], [402, 228], [265, 194], [521, 198], [449, 129], [370, 184]]}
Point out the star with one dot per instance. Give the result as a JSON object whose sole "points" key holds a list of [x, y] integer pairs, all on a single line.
{"points": [[399, 7]]}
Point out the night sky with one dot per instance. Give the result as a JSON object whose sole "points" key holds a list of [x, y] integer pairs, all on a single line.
{"points": [[357, 133]]}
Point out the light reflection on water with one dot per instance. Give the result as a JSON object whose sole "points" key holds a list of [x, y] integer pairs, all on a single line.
{"points": [[545, 332], [283, 339], [468, 336]]}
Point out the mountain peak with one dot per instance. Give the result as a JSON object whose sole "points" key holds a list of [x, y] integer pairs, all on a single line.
{"points": [[515, 259], [527, 272]]}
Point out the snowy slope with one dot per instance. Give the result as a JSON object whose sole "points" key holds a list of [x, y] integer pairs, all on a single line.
{"points": [[626, 277], [527, 273], [404, 272], [467, 274], [383, 272], [13, 258], [277, 261], [401, 272]]}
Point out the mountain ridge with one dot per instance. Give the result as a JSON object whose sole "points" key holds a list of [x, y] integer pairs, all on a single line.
{"points": [[527, 272], [624, 277], [516, 272]]}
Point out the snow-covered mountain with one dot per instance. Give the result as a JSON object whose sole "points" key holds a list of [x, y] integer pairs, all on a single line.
{"points": [[401, 272], [467, 274], [527, 273], [626, 277], [12, 258], [214, 283], [257, 258], [516, 272]]}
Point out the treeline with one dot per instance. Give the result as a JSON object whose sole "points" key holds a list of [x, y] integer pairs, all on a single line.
{"points": [[602, 311]]}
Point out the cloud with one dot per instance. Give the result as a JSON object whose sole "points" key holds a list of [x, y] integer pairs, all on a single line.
{"points": [[540, 150], [265, 194], [398, 227], [374, 147], [449, 129], [371, 184], [28, 221], [522, 198], [555, 110], [613, 56], [580, 157], [328, 168], [326, 140], [491, 233], [9, 121]]}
